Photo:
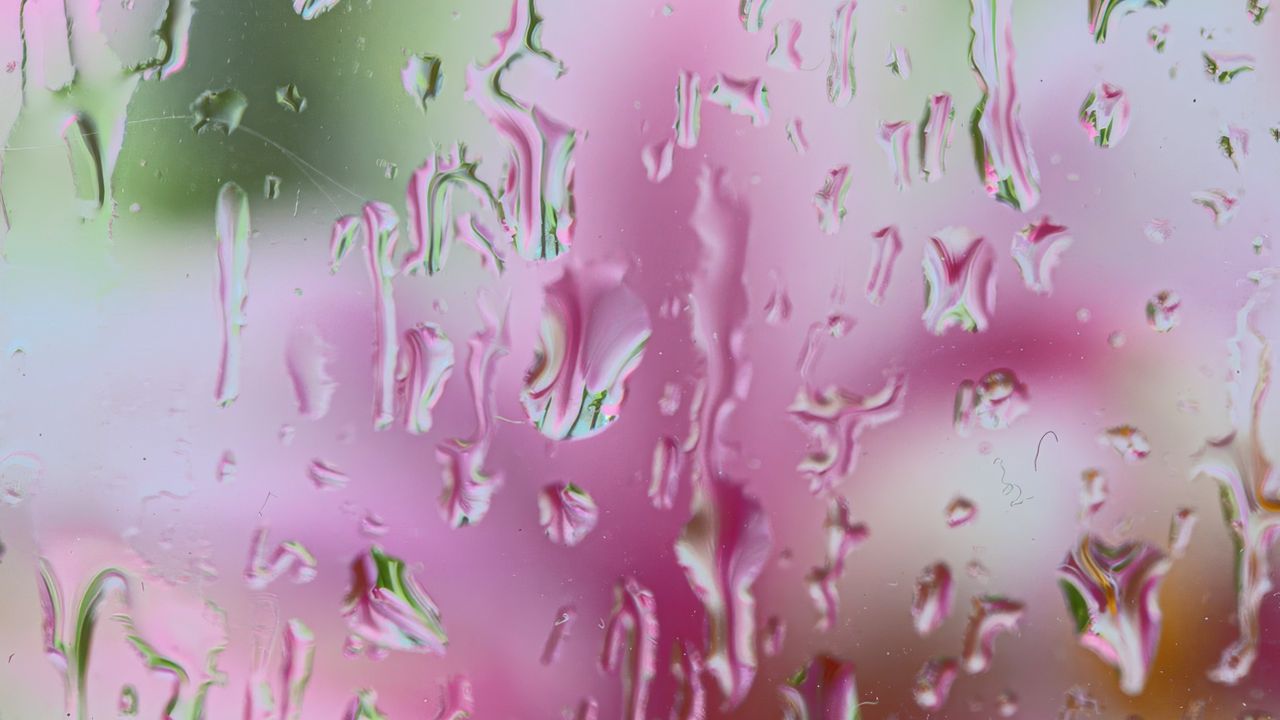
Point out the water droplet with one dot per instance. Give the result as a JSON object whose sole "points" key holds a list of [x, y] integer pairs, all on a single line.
{"points": [[835, 419], [825, 688], [1007, 704], [326, 476], [219, 110], [1093, 492], [742, 96], [422, 78], [290, 98], [561, 627], [1104, 115], [271, 187], [297, 661], [365, 704], [841, 82], [960, 285], [389, 169], [898, 62], [933, 683], [311, 9], [588, 709], [668, 465], [1128, 441], [895, 139], [232, 225], [722, 550], [424, 367], [537, 200], [567, 513], [991, 616], [1116, 339], [372, 525], [85, 153], [688, 667], [1078, 703], [830, 199], [936, 130], [656, 158], [226, 467], [960, 512], [386, 609], [1112, 593], [1158, 37], [468, 485], [266, 564], [594, 330], [127, 705], [669, 403], [457, 700], [1258, 10], [773, 636], [1158, 230], [429, 202], [795, 135], [934, 593], [1222, 67], [1261, 244], [632, 629], [1006, 162], [1083, 315], [842, 537], [751, 14], [688, 122], [21, 474], [777, 309], [993, 403], [1037, 249], [785, 53], [1233, 141], [1181, 527], [1162, 311], [307, 359], [886, 244]]}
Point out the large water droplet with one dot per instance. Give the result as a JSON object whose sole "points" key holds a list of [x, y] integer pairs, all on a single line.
{"points": [[936, 130], [219, 110], [422, 78], [841, 83], [824, 689], [567, 513], [1112, 593], [742, 96], [1104, 115], [632, 630], [991, 616], [933, 683], [722, 550], [1001, 145], [960, 285], [895, 139], [594, 330], [1223, 67], [386, 609], [425, 364], [1037, 249], [931, 603], [993, 403], [830, 199], [232, 225]]}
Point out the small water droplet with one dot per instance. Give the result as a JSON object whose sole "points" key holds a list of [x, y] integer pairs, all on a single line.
{"points": [[290, 98]]}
